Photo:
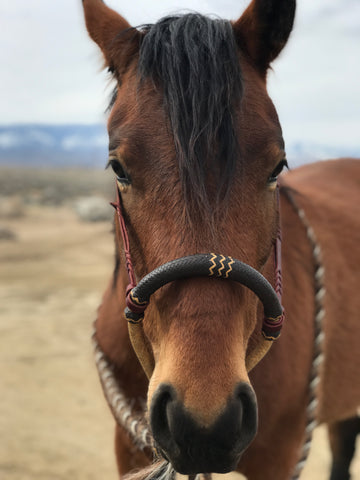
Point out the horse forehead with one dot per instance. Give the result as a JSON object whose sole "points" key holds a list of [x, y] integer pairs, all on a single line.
{"points": [[138, 121], [138, 111], [136, 103]]}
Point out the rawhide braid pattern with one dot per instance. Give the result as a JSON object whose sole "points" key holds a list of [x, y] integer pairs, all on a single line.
{"points": [[318, 354], [121, 407], [209, 265]]}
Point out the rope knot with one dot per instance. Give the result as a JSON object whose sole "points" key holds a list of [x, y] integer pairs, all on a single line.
{"points": [[271, 328], [133, 303]]}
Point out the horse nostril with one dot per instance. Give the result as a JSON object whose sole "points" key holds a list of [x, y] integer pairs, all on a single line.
{"points": [[159, 416], [246, 396]]}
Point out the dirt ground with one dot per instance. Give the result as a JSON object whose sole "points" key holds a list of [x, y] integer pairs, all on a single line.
{"points": [[54, 423]]}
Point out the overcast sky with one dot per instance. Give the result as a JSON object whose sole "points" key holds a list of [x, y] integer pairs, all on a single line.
{"points": [[50, 70]]}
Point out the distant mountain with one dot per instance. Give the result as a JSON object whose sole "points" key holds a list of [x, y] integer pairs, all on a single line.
{"points": [[54, 145], [86, 145], [299, 153]]}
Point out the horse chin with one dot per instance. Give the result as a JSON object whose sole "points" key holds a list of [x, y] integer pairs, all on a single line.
{"points": [[197, 460], [218, 462]]}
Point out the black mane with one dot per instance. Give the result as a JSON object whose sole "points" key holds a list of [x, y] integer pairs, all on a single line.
{"points": [[194, 60]]}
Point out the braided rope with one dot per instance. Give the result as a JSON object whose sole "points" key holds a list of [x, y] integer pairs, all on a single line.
{"points": [[122, 408], [318, 354]]}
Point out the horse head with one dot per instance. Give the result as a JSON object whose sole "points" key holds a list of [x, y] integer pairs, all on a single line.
{"points": [[196, 148]]}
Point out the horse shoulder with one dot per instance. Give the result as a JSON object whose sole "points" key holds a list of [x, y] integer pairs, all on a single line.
{"points": [[329, 193]]}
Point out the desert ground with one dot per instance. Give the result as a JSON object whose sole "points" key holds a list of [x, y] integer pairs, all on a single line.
{"points": [[54, 422]]}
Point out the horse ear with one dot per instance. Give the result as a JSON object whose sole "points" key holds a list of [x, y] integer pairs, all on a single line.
{"points": [[263, 29], [118, 41]]}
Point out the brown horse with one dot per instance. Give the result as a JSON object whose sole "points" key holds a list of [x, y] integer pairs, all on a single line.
{"points": [[196, 147]]}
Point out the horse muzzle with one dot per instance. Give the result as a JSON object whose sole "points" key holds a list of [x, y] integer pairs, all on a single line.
{"points": [[192, 448]]}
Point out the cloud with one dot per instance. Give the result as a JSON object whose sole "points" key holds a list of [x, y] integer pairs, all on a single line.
{"points": [[314, 84], [51, 71]]}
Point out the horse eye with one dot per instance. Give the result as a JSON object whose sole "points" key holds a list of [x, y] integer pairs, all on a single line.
{"points": [[121, 176], [279, 168]]}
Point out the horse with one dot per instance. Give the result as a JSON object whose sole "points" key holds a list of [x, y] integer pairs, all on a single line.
{"points": [[197, 152]]}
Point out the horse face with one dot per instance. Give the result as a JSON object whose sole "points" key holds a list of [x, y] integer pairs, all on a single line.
{"points": [[201, 405], [199, 329]]}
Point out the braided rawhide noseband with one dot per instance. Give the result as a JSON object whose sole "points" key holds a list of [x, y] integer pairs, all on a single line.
{"points": [[208, 265]]}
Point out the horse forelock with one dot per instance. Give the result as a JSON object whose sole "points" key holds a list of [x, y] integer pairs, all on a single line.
{"points": [[194, 61]]}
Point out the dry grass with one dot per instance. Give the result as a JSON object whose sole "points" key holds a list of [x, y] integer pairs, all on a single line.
{"points": [[54, 185], [54, 423]]}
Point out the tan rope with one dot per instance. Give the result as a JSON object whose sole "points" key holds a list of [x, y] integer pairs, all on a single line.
{"points": [[258, 353], [122, 408], [318, 353], [142, 347]]}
